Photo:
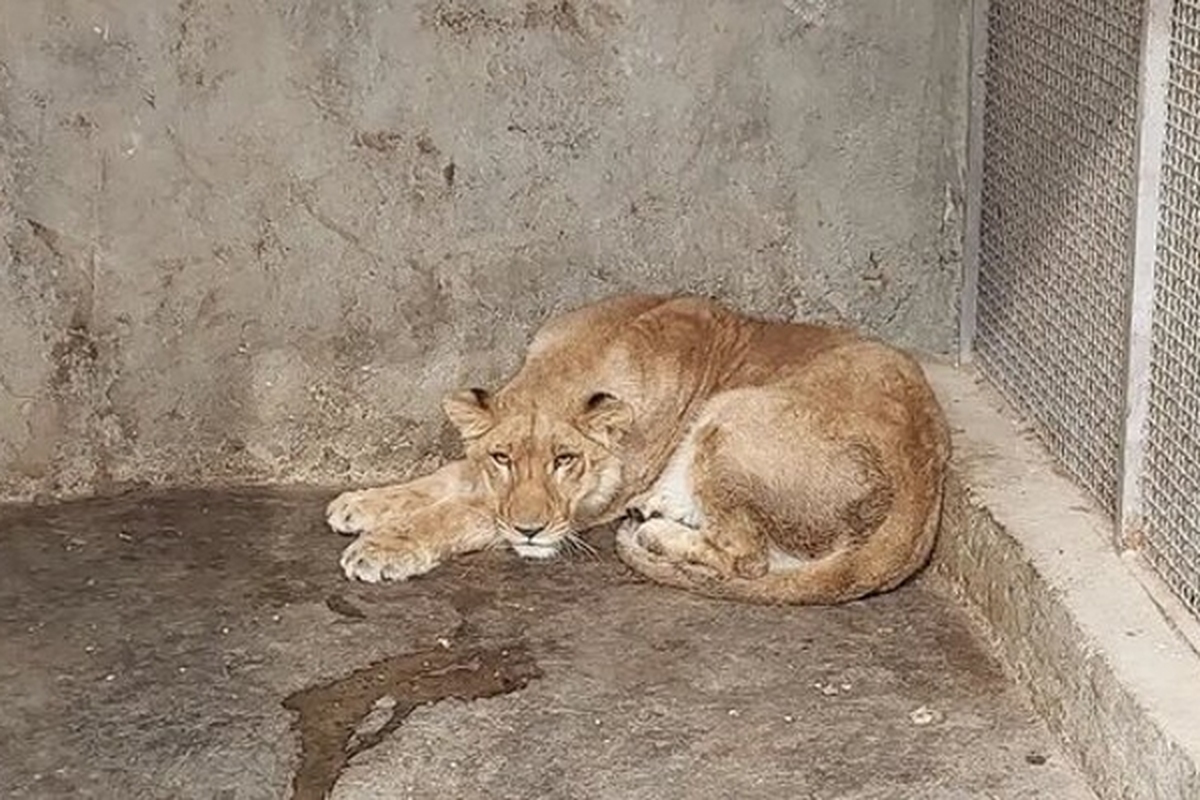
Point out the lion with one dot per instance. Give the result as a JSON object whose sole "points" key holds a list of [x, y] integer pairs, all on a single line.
{"points": [[767, 462]]}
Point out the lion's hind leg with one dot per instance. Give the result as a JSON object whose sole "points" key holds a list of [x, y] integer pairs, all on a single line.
{"points": [[763, 502], [700, 512]]}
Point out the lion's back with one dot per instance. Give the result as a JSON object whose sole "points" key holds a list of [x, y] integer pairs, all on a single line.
{"points": [[645, 349], [592, 325]]}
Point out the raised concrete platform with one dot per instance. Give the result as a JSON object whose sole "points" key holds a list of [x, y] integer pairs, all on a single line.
{"points": [[1104, 654], [204, 645]]}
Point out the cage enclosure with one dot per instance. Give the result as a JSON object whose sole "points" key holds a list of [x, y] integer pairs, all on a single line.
{"points": [[249, 247]]}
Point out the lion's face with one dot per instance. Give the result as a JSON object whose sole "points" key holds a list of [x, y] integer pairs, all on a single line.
{"points": [[549, 476]]}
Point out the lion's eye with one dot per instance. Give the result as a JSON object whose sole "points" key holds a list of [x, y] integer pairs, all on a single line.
{"points": [[502, 459], [564, 460]]}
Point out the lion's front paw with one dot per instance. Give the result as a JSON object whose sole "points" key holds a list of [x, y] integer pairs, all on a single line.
{"points": [[372, 560], [350, 513]]}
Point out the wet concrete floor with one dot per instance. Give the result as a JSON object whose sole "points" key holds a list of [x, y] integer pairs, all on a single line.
{"points": [[205, 645]]}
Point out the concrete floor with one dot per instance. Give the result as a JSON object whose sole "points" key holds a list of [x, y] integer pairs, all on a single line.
{"points": [[204, 645]]}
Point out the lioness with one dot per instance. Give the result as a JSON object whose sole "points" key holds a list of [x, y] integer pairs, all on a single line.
{"points": [[759, 461]]}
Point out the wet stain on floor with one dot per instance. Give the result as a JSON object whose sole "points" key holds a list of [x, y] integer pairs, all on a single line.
{"points": [[340, 719]]}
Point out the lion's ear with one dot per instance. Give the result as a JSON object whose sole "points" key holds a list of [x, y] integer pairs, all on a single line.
{"points": [[606, 418], [471, 412]]}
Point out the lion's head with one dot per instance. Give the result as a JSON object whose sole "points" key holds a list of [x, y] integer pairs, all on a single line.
{"points": [[550, 473]]}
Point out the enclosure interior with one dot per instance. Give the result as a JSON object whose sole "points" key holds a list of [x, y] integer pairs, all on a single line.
{"points": [[259, 242], [255, 244]]}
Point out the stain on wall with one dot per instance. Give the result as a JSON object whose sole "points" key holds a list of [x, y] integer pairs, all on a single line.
{"points": [[258, 242]]}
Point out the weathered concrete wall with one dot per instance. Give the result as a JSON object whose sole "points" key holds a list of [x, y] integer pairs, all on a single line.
{"points": [[258, 241]]}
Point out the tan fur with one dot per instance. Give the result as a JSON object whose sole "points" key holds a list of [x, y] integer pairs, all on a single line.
{"points": [[766, 462]]}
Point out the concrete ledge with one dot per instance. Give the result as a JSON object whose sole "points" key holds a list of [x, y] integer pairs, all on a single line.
{"points": [[1094, 643]]}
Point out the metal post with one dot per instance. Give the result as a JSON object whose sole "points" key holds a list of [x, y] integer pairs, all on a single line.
{"points": [[976, 94], [1152, 128]]}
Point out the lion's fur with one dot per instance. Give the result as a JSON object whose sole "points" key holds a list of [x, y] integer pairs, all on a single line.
{"points": [[767, 462]]}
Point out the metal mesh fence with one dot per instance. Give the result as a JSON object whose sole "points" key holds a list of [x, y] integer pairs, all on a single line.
{"points": [[1057, 221], [1171, 481]]}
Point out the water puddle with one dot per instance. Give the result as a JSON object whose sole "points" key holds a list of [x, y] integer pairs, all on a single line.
{"points": [[342, 718]]}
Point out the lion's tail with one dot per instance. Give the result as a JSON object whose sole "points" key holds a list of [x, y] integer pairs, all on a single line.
{"points": [[825, 581]]}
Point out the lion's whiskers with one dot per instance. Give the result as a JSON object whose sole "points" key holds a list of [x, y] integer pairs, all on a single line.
{"points": [[576, 544]]}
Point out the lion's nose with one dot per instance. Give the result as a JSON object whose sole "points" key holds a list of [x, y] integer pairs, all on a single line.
{"points": [[530, 531]]}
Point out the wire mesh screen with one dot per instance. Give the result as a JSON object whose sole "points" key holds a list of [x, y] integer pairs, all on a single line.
{"points": [[1057, 221], [1171, 481]]}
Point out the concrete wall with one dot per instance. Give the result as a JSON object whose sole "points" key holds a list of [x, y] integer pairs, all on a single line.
{"points": [[258, 241]]}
